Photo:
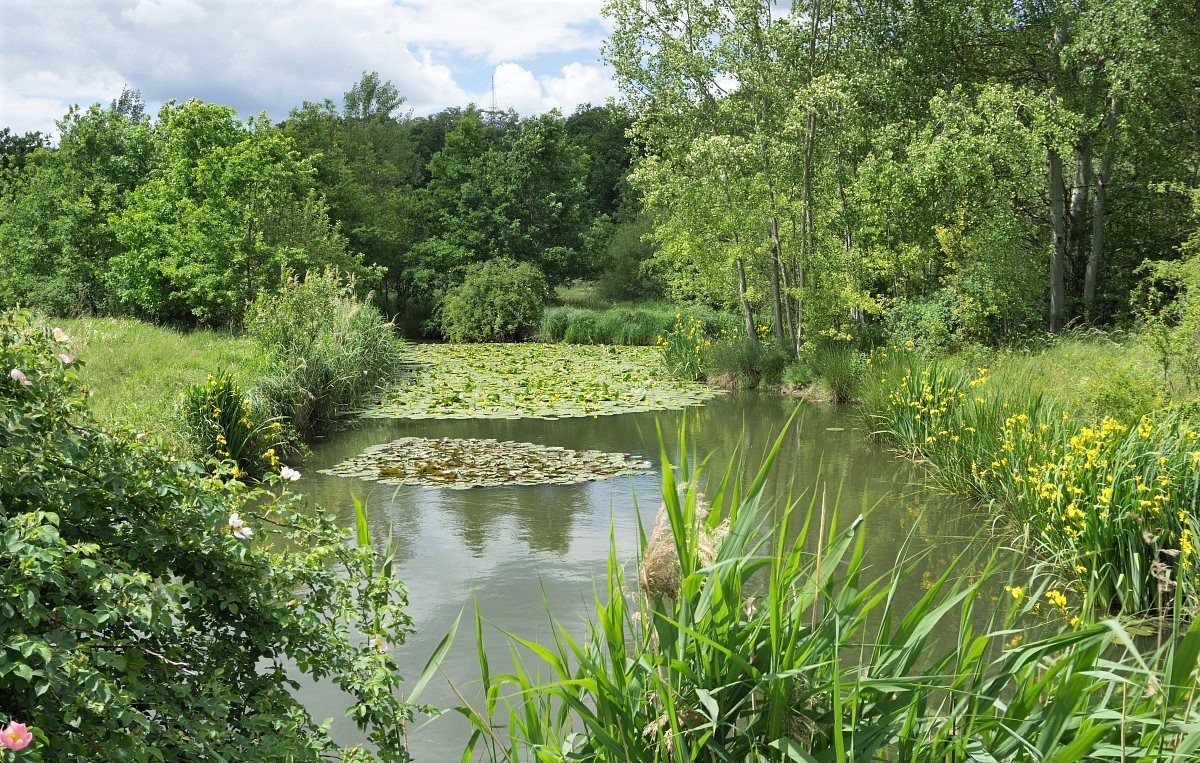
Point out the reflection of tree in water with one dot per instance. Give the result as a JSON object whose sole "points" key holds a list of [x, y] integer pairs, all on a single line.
{"points": [[543, 516]]}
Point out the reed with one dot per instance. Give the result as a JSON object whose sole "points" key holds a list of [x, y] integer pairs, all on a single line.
{"points": [[769, 646]]}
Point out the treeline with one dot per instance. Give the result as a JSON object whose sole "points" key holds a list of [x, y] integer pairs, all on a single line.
{"points": [[185, 219], [945, 171]]}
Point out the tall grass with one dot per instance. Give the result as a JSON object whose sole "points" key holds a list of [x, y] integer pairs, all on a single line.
{"points": [[134, 371], [772, 643], [328, 351], [624, 324], [1112, 505]]}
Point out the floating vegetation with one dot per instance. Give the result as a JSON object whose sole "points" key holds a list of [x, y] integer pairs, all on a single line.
{"points": [[547, 381], [465, 463]]}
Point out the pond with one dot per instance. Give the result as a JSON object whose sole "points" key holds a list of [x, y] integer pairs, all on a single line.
{"points": [[519, 550]]}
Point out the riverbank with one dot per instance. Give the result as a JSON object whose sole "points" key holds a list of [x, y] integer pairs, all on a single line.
{"points": [[135, 371], [1097, 476]]}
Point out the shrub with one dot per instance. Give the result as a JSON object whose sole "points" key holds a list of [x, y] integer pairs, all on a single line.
{"points": [[328, 351], [219, 421], [149, 612], [623, 276], [498, 301], [798, 373]]}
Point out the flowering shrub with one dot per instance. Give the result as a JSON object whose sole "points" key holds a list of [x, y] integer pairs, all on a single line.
{"points": [[1113, 505], [151, 612]]}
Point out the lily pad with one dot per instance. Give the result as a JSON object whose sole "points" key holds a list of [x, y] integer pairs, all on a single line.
{"points": [[465, 463], [547, 381]]}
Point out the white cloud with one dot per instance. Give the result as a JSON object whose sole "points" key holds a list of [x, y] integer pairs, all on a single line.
{"points": [[274, 54], [518, 88]]}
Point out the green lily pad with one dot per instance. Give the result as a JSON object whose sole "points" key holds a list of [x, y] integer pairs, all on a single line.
{"points": [[465, 463], [548, 381]]}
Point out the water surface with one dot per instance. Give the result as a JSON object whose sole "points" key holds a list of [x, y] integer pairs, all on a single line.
{"points": [[517, 550]]}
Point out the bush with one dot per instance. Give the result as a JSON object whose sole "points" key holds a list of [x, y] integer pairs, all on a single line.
{"points": [[149, 612], [328, 351], [623, 276], [798, 374], [500, 300]]}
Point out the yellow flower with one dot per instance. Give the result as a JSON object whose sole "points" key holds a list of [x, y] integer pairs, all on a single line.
{"points": [[1017, 591], [1057, 599]]}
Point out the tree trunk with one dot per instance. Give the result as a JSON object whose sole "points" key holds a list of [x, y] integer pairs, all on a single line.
{"points": [[1077, 227], [1058, 242], [1099, 198], [1092, 274], [776, 291], [747, 316], [1058, 210]]}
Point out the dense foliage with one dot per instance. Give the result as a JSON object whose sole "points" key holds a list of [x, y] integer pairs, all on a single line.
{"points": [[498, 301], [149, 612], [963, 172]]}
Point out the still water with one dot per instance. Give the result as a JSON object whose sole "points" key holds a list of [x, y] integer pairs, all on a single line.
{"points": [[515, 550]]}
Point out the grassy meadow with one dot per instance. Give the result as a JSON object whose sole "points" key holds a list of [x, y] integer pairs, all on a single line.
{"points": [[135, 371]]}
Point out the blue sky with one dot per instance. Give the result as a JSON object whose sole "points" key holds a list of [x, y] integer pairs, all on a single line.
{"points": [[273, 54]]}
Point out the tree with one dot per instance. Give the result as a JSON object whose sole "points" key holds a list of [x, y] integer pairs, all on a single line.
{"points": [[55, 229], [229, 211], [507, 190]]}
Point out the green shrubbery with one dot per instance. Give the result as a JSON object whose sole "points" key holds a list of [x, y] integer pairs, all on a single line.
{"points": [[500, 300], [327, 351], [743, 644], [149, 612]]}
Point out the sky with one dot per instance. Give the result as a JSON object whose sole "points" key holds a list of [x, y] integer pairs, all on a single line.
{"points": [[273, 55]]}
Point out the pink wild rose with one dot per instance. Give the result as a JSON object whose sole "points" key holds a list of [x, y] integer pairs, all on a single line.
{"points": [[15, 736]]}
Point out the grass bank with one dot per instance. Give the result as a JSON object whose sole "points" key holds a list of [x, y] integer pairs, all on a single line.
{"points": [[135, 371], [1110, 502]]}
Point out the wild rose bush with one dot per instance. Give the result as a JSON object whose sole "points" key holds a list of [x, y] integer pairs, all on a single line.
{"points": [[150, 612]]}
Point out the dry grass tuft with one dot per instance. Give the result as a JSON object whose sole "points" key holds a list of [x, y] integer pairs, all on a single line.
{"points": [[660, 573]]}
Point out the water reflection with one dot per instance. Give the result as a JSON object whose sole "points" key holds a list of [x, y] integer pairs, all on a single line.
{"points": [[517, 550]]}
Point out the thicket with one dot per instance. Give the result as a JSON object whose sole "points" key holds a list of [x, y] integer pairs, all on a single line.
{"points": [[150, 612], [754, 632], [499, 300]]}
